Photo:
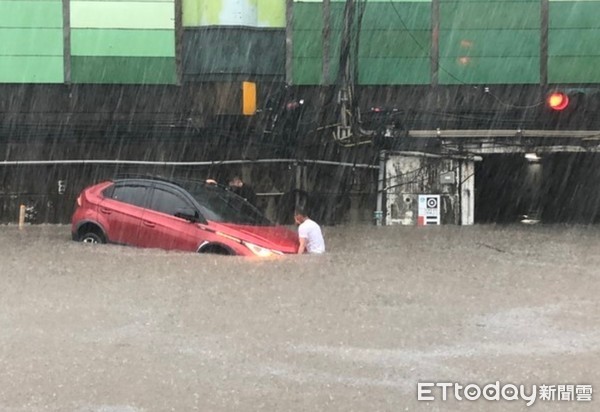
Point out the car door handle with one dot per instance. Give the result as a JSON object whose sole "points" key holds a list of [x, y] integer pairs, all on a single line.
{"points": [[149, 224], [105, 211]]}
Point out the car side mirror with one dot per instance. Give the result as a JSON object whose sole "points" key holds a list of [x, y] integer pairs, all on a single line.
{"points": [[188, 214]]}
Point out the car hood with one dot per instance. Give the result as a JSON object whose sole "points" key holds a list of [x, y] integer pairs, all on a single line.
{"points": [[273, 237]]}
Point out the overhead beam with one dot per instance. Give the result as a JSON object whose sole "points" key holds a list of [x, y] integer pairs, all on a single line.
{"points": [[491, 133], [485, 150]]}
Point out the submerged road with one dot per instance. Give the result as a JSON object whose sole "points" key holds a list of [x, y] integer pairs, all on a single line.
{"points": [[117, 329]]}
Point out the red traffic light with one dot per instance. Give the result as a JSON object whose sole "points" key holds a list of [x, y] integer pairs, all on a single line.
{"points": [[558, 101]]}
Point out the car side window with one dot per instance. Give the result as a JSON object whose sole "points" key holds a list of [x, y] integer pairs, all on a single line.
{"points": [[132, 194], [168, 202]]}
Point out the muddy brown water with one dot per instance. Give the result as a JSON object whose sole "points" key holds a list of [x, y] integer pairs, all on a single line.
{"points": [[118, 329]]}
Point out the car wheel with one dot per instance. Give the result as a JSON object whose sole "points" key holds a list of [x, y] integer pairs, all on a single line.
{"points": [[91, 237], [216, 250]]}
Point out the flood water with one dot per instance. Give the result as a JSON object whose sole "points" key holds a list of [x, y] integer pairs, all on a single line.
{"points": [[119, 329]]}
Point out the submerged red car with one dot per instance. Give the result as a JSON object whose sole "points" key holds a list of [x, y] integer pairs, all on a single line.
{"points": [[183, 215]]}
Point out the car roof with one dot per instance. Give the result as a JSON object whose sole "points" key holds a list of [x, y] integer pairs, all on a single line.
{"points": [[176, 183], [143, 179]]}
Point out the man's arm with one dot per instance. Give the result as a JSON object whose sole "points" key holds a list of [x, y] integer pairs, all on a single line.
{"points": [[302, 246]]}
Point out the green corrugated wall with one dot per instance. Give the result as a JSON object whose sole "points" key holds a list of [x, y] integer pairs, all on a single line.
{"points": [[31, 41], [489, 41], [480, 42], [395, 41], [307, 52], [574, 42], [123, 41], [120, 41]]}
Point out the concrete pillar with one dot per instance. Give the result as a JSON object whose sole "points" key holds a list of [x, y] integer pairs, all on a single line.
{"points": [[466, 189]]}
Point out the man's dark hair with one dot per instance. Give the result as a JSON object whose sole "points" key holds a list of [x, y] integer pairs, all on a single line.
{"points": [[300, 211]]}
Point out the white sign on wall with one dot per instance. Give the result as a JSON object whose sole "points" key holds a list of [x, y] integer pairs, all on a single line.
{"points": [[429, 210]]}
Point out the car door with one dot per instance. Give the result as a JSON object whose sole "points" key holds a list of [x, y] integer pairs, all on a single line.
{"points": [[160, 227], [122, 209]]}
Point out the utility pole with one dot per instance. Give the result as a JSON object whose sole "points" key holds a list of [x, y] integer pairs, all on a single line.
{"points": [[346, 78]]}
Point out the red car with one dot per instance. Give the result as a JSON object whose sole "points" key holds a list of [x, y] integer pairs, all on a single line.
{"points": [[183, 215]]}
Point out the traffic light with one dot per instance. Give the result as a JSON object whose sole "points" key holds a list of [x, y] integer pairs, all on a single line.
{"points": [[558, 101], [572, 108]]}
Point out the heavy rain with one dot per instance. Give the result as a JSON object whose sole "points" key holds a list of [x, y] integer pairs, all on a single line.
{"points": [[446, 150]]}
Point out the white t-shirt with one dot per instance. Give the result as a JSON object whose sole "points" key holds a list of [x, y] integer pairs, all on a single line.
{"points": [[311, 231]]}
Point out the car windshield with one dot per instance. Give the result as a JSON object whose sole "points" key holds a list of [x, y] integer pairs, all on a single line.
{"points": [[221, 205]]}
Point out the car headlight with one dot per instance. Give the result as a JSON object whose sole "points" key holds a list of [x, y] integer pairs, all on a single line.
{"points": [[261, 251]]}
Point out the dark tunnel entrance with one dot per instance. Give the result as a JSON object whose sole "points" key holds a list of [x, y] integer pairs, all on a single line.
{"points": [[549, 188]]}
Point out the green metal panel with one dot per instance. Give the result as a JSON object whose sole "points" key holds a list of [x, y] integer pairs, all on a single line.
{"points": [[490, 43], [24, 13], [583, 69], [376, 43], [307, 70], [122, 14], [132, 70], [126, 1], [405, 60], [490, 1], [574, 14], [307, 50], [31, 69], [395, 43], [335, 41], [123, 42], [386, 15], [388, 54], [308, 16], [308, 43], [31, 42], [489, 70], [491, 14], [114, 42], [377, 71], [574, 42]]}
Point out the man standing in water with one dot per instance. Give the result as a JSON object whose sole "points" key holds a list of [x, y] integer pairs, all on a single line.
{"points": [[309, 234]]}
